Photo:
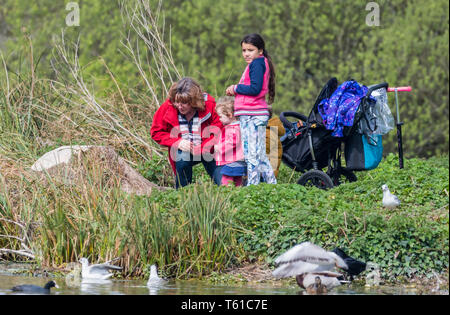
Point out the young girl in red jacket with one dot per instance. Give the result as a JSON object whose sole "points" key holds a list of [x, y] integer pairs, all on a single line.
{"points": [[257, 81], [228, 150]]}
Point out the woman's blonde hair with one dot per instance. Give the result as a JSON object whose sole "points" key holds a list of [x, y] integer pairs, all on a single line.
{"points": [[187, 91], [225, 104]]}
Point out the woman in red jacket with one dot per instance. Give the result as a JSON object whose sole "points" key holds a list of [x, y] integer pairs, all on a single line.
{"points": [[189, 126]]}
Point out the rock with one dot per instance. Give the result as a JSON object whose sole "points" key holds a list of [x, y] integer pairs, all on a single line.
{"points": [[61, 155], [74, 165]]}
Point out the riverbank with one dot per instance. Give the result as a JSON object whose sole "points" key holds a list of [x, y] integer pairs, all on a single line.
{"points": [[203, 230]]}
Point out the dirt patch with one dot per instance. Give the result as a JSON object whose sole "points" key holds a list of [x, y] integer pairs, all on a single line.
{"points": [[252, 272]]}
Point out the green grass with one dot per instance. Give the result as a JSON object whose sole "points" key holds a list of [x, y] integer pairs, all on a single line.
{"points": [[412, 239]]}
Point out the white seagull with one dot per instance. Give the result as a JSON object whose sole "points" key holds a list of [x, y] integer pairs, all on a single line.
{"points": [[154, 279], [390, 201], [306, 262], [98, 271]]}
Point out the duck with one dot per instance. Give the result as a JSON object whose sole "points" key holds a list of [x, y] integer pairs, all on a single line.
{"points": [[327, 280], [31, 288], [154, 279], [317, 287], [307, 261], [97, 271], [389, 201]]}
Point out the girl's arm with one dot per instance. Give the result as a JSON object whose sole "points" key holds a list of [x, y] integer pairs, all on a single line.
{"points": [[256, 71]]}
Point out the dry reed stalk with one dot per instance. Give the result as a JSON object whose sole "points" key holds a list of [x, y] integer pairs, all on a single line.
{"points": [[83, 96], [8, 91], [147, 25]]}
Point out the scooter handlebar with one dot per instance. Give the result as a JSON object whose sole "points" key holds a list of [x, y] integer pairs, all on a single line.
{"points": [[400, 89]]}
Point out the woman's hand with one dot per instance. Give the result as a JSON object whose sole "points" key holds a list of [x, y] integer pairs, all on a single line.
{"points": [[184, 145], [230, 90]]}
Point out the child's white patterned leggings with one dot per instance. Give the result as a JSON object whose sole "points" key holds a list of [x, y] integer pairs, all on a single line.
{"points": [[253, 135]]}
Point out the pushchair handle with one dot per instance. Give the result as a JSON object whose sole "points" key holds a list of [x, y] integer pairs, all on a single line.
{"points": [[286, 122], [376, 87]]}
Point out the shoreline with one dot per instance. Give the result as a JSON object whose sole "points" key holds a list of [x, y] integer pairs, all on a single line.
{"points": [[250, 274]]}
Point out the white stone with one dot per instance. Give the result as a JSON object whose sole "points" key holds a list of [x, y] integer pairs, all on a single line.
{"points": [[57, 156]]}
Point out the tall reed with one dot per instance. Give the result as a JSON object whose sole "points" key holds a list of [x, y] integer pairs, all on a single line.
{"points": [[195, 236], [207, 221]]}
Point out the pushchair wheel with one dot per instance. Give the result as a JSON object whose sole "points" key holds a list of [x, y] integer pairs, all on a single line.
{"points": [[316, 178]]}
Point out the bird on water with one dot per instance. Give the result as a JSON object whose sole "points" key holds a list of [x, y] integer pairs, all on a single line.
{"points": [[31, 288]]}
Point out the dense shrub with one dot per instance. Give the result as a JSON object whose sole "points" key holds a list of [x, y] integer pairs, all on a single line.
{"points": [[309, 41]]}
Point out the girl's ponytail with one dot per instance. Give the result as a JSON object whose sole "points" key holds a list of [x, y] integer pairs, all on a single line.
{"points": [[271, 77], [257, 41]]}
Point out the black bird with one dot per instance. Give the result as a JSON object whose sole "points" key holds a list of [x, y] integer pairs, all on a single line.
{"points": [[355, 267], [31, 288]]}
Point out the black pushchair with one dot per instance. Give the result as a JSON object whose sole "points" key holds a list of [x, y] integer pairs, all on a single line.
{"points": [[309, 147]]}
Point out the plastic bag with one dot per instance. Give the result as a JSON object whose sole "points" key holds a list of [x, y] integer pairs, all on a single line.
{"points": [[385, 120], [368, 122], [377, 118]]}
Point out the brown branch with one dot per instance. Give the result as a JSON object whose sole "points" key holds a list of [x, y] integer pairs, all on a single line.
{"points": [[26, 251], [17, 252]]}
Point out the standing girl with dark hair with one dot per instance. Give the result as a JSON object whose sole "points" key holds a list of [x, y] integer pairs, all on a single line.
{"points": [[251, 107]]}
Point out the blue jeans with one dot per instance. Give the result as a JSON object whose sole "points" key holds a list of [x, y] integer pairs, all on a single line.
{"points": [[184, 163]]}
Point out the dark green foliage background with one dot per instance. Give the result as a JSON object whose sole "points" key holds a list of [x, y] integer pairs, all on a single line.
{"points": [[309, 41]]}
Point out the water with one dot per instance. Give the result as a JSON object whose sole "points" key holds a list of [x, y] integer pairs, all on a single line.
{"points": [[138, 287]]}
